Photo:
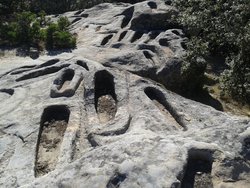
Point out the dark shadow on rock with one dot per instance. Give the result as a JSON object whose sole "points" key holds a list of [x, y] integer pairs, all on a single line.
{"points": [[245, 151], [128, 15], [170, 77], [116, 180], [32, 52], [216, 65], [4, 49], [198, 170], [57, 52], [130, 1], [205, 98], [22, 52], [157, 96]]}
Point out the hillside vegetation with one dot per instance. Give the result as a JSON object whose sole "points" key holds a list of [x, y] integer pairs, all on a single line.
{"points": [[219, 29], [51, 6], [29, 30]]}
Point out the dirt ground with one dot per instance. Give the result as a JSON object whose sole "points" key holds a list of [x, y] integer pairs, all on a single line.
{"points": [[229, 105], [106, 108], [49, 146], [65, 85], [203, 180]]}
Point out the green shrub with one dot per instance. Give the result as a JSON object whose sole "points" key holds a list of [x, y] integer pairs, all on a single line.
{"points": [[8, 33], [23, 30], [42, 34], [63, 23], [25, 22], [223, 27], [236, 81], [43, 21], [11, 33], [63, 39], [28, 29], [57, 36], [52, 28]]}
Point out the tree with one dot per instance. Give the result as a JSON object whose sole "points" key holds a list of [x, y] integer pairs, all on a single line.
{"points": [[57, 35], [223, 26], [25, 21], [63, 39], [52, 28], [12, 6], [63, 23]]}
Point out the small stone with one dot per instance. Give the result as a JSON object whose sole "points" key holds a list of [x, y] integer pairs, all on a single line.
{"points": [[199, 173]]}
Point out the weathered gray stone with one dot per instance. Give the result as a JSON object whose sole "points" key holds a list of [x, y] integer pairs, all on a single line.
{"points": [[122, 130]]}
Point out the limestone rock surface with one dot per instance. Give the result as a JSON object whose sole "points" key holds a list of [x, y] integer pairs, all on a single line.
{"points": [[100, 116]]}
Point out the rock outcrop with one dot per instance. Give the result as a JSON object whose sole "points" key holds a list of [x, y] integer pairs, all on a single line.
{"points": [[100, 116]]}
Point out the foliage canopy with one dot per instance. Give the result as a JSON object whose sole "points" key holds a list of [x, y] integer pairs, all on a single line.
{"points": [[27, 28], [220, 28]]}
